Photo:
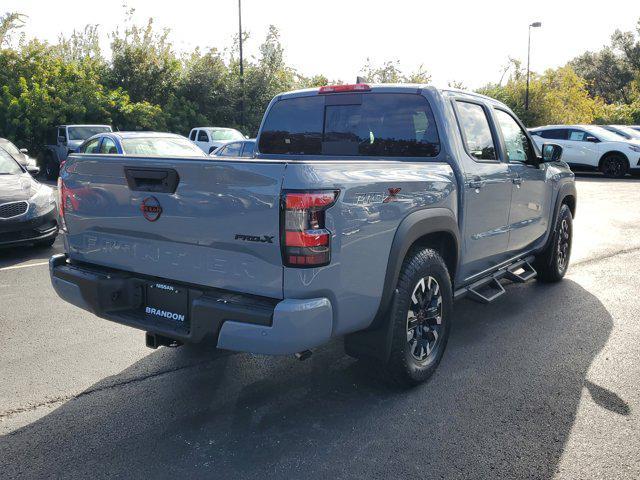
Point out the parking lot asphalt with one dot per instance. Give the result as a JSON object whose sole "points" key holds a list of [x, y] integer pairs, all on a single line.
{"points": [[542, 383]]}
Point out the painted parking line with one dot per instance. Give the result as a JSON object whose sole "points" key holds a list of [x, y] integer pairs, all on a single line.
{"points": [[15, 267]]}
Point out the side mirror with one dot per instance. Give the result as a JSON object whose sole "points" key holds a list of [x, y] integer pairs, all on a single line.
{"points": [[24, 150], [33, 169], [551, 152], [591, 139]]}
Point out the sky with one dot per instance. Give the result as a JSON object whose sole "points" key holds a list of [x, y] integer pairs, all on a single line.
{"points": [[463, 41]]}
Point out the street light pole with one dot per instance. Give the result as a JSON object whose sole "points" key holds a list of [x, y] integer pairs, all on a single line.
{"points": [[526, 95], [241, 64]]}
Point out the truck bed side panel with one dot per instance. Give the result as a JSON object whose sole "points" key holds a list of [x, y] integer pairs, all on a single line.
{"points": [[363, 223]]}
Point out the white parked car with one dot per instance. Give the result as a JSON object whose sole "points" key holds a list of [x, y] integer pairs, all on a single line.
{"points": [[588, 147], [210, 138], [625, 131]]}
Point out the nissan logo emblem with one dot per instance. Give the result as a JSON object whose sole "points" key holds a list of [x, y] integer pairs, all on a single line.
{"points": [[151, 209]]}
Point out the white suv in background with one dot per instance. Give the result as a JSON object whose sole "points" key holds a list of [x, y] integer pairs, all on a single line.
{"points": [[210, 138], [588, 147]]}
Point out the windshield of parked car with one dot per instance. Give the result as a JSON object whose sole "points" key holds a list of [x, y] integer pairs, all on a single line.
{"points": [[630, 132], [372, 124], [82, 133], [177, 146], [221, 134], [8, 166], [13, 150], [605, 135]]}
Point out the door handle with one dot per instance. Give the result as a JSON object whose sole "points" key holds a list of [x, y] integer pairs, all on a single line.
{"points": [[477, 183]]}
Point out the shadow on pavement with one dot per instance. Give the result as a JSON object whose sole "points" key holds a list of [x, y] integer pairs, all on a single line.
{"points": [[24, 253], [501, 405]]}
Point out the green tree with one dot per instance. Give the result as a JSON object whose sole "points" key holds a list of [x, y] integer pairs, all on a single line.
{"points": [[390, 72], [144, 63], [558, 96]]}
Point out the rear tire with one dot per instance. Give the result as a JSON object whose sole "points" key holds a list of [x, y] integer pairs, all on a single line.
{"points": [[614, 165], [552, 263], [421, 315]]}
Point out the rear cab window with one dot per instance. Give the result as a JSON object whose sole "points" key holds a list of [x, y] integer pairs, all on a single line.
{"points": [[351, 124]]}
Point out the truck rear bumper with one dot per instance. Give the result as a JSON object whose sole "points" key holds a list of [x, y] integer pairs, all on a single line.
{"points": [[235, 321]]}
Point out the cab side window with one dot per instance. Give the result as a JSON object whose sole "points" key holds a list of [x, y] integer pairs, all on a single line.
{"points": [[516, 141], [202, 136], [476, 132], [192, 137]]}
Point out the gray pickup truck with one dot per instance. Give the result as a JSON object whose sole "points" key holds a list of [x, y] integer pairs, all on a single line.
{"points": [[364, 213]]}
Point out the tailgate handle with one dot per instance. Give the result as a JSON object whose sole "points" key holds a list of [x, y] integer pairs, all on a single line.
{"points": [[161, 180]]}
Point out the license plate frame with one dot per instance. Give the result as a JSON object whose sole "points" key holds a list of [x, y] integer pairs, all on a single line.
{"points": [[167, 303]]}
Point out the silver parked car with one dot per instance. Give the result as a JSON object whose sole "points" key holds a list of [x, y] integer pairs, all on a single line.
{"points": [[141, 143], [243, 149]]}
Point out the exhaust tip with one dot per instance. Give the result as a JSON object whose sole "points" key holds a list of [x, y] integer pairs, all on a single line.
{"points": [[304, 355]]}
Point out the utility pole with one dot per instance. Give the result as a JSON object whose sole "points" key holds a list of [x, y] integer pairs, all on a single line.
{"points": [[526, 95], [241, 64]]}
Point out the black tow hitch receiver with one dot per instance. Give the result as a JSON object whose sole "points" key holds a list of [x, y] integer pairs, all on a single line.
{"points": [[154, 341]]}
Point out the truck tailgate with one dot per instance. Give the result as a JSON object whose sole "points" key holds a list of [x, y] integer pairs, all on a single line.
{"points": [[205, 222]]}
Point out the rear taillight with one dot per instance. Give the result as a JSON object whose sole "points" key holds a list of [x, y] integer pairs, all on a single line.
{"points": [[306, 242], [62, 198]]}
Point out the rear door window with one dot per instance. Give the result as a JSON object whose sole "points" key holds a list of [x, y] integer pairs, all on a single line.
{"points": [[192, 137], [477, 136], [555, 134], [370, 124]]}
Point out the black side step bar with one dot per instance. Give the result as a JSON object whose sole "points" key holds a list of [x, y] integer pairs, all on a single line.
{"points": [[486, 290], [521, 272], [489, 288]]}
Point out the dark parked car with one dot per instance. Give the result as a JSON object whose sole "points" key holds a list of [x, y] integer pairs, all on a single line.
{"points": [[27, 207]]}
